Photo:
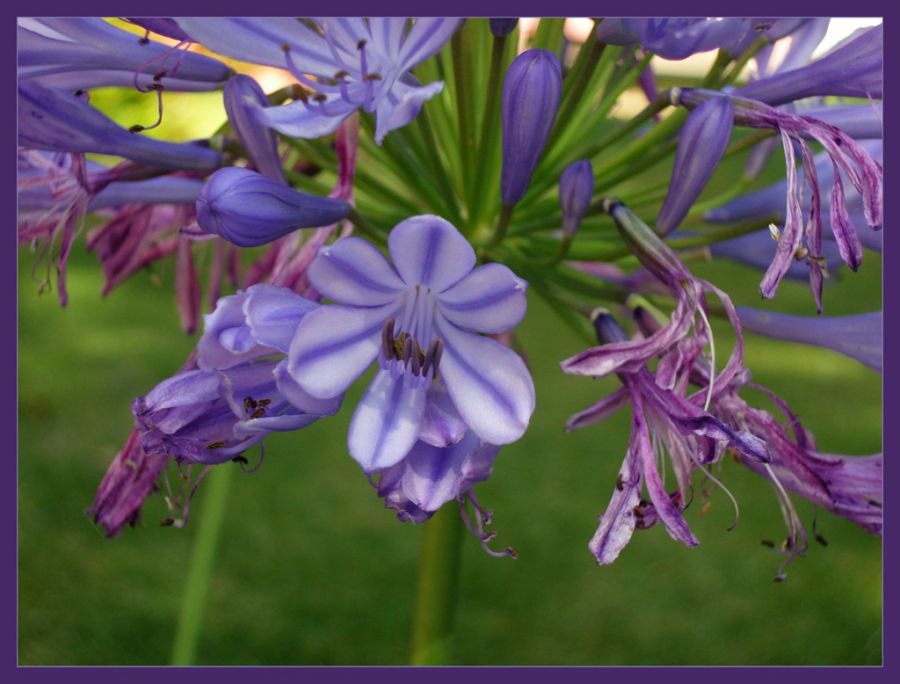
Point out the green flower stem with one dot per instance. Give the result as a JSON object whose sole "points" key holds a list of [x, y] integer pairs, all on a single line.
{"points": [[437, 164], [607, 179], [435, 610], [578, 77], [488, 142], [365, 227], [659, 103], [459, 47], [203, 555], [502, 225]]}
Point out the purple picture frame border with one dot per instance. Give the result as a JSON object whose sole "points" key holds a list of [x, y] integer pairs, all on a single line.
{"points": [[392, 675]]}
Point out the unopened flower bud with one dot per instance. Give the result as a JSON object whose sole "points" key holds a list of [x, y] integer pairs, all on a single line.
{"points": [[576, 186], [243, 98], [249, 209], [701, 145], [531, 95], [503, 26]]}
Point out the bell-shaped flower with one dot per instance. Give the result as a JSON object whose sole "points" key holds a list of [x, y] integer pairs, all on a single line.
{"points": [[420, 318], [243, 100], [576, 187], [852, 69], [345, 63], [58, 121], [249, 209], [531, 93], [82, 52], [701, 144]]}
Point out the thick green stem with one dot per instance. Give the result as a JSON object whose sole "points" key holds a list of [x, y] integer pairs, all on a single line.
{"points": [[210, 519], [435, 610]]}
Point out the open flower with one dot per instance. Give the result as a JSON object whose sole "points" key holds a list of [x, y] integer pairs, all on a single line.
{"points": [[347, 63], [419, 318]]}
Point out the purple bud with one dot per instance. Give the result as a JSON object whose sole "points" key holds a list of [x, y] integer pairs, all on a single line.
{"points": [[50, 119], [701, 145], [243, 98], [502, 27], [854, 69], [249, 209], [576, 186], [531, 95]]}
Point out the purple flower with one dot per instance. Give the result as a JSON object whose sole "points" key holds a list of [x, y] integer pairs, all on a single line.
{"points": [[78, 52], [701, 144], [419, 318], [249, 209], [690, 435], [531, 93], [576, 187], [50, 119], [672, 38], [864, 173], [858, 336], [347, 63], [853, 69], [243, 100], [502, 27]]}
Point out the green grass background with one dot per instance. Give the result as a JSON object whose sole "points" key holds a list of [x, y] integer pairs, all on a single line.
{"points": [[311, 568]]}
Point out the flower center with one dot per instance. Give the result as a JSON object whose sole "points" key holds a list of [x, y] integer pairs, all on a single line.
{"points": [[408, 347]]}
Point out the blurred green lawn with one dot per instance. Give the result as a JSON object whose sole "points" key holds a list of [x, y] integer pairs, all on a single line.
{"points": [[312, 569]]}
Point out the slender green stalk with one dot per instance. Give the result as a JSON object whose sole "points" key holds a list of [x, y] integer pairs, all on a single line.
{"points": [[365, 227], [502, 225], [435, 610], [459, 50], [437, 164], [579, 76], [203, 555]]}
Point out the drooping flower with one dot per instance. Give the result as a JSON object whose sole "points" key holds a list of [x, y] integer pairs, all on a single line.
{"points": [[347, 63], [531, 94], [420, 319], [664, 421], [243, 99], [249, 209], [802, 239], [81, 52]]}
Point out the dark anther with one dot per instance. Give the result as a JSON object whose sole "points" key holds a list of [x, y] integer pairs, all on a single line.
{"points": [[341, 75], [79, 92], [285, 47], [249, 404], [638, 511], [264, 402], [240, 459], [872, 502], [779, 577], [387, 339], [145, 39], [258, 413], [361, 44], [167, 522], [768, 542], [408, 349], [137, 128], [433, 357], [619, 484], [372, 77], [821, 540], [158, 76], [320, 97], [837, 141], [215, 445]]}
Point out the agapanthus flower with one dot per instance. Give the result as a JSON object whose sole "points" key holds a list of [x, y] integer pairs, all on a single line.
{"points": [[85, 52], [680, 428], [420, 319], [803, 239], [244, 98], [346, 63], [852, 69]]}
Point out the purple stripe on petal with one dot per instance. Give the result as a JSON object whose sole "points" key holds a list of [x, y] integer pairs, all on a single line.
{"points": [[489, 384], [352, 271], [491, 299], [334, 345], [386, 422], [427, 250]]}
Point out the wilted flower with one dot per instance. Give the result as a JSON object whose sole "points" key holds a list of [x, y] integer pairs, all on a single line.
{"points": [[419, 321]]}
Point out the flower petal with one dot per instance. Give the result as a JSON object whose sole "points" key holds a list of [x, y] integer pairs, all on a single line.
{"points": [[491, 299], [385, 425], [301, 399], [442, 425], [306, 120], [426, 37], [427, 250], [273, 314], [401, 104], [333, 346], [489, 384], [618, 522], [352, 271], [227, 339]]}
